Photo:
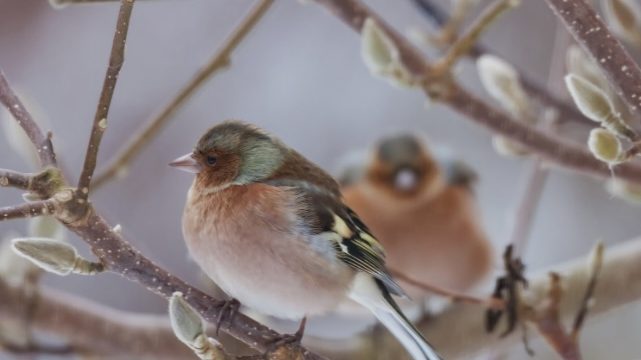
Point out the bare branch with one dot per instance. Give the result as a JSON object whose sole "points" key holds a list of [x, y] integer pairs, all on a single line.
{"points": [[41, 141], [120, 257], [593, 35], [548, 146], [9, 178], [466, 42], [93, 327], [116, 60], [454, 296], [150, 130], [566, 111], [33, 209]]}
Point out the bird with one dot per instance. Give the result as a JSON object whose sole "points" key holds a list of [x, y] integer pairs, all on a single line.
{"points": [[269, 227], [423, 211]]}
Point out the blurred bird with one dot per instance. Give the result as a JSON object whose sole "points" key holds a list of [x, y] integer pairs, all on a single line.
{"points": [[423, 213], [269, 227]]}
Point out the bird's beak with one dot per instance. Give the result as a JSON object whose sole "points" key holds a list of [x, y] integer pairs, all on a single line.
{"points": [[406, 180], [187, 163]]}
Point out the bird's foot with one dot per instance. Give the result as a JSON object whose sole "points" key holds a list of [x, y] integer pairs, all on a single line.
{"points": [[228, 311], [288, 339]]}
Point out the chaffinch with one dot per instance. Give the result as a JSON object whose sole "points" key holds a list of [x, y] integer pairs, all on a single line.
{"points": [[424, 214], [270, 228]]}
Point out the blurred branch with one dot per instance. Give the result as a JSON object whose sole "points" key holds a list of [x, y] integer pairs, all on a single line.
{"points": [[149, 131], [92, 327], [593, 35], [116, 59], [619, 284], [567, 111], [548, 146], [466, 42], [452, 295], [42, 143]]}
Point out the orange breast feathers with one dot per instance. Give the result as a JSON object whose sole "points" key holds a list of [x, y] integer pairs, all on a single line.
{"points": [[437, 240]]}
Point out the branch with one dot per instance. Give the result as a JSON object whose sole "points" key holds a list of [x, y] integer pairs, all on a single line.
{"points": [[548, 146], [593, 35], [619, 285], [92, 327], [452, 295], [116, 60], [32, 209], [9, 178], [150, 130], [566, 111], [43, 144]]}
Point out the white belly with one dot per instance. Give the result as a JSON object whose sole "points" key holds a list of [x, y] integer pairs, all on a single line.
{"points": [[265, 267]]}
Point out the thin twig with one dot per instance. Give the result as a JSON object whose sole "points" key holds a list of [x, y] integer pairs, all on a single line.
{"points": [[566, 110], [150, 130], [463, 45], [14, 179], [116, 59], [593, 36], [33, 209], [453, 295], [547, 320], [526, 208], [588, 296], [41, 141], [538, 173], [548, 146]]}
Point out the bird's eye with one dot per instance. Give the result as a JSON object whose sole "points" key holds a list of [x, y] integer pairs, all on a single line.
{"points": [[211, 160]]}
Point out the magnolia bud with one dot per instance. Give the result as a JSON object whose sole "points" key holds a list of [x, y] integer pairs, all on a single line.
{"points": [[605, 146], [591, 100], [624, 17], [507, 147], [185, 321], [189, 328], [54, 256], [381, 56], [502, 82], [580, 64]]}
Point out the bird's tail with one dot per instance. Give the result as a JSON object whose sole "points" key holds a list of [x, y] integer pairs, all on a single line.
{"points": [[372, 294]]}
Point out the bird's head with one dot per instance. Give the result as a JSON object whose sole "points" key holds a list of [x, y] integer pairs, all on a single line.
{"points": [[402, 165], [232, 153]]}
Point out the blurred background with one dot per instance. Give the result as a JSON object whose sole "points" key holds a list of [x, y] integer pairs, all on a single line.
{"points": [[300, 76]]}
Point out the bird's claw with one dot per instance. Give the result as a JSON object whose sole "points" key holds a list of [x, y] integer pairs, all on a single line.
{"points": [[228, 311], [288, 339]]}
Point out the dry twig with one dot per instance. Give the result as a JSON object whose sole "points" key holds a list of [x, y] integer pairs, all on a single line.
{"points": [[116, 59], [149, 131]]}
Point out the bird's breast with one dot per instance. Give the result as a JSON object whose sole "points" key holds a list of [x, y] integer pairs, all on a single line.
{"points": [[248, 241]]}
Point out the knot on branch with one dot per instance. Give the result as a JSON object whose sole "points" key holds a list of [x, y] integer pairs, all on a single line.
{"points": [[72, 209], [47, 183]]}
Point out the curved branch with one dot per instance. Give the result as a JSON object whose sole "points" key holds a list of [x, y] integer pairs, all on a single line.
{"points": [[220, 60], [42, 142], [95, 328], [548, 146], [566, 111], [593, 35]]}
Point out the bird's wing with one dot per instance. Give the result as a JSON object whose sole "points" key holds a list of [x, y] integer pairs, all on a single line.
{"points": [[322, 213], [457, 172]]}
